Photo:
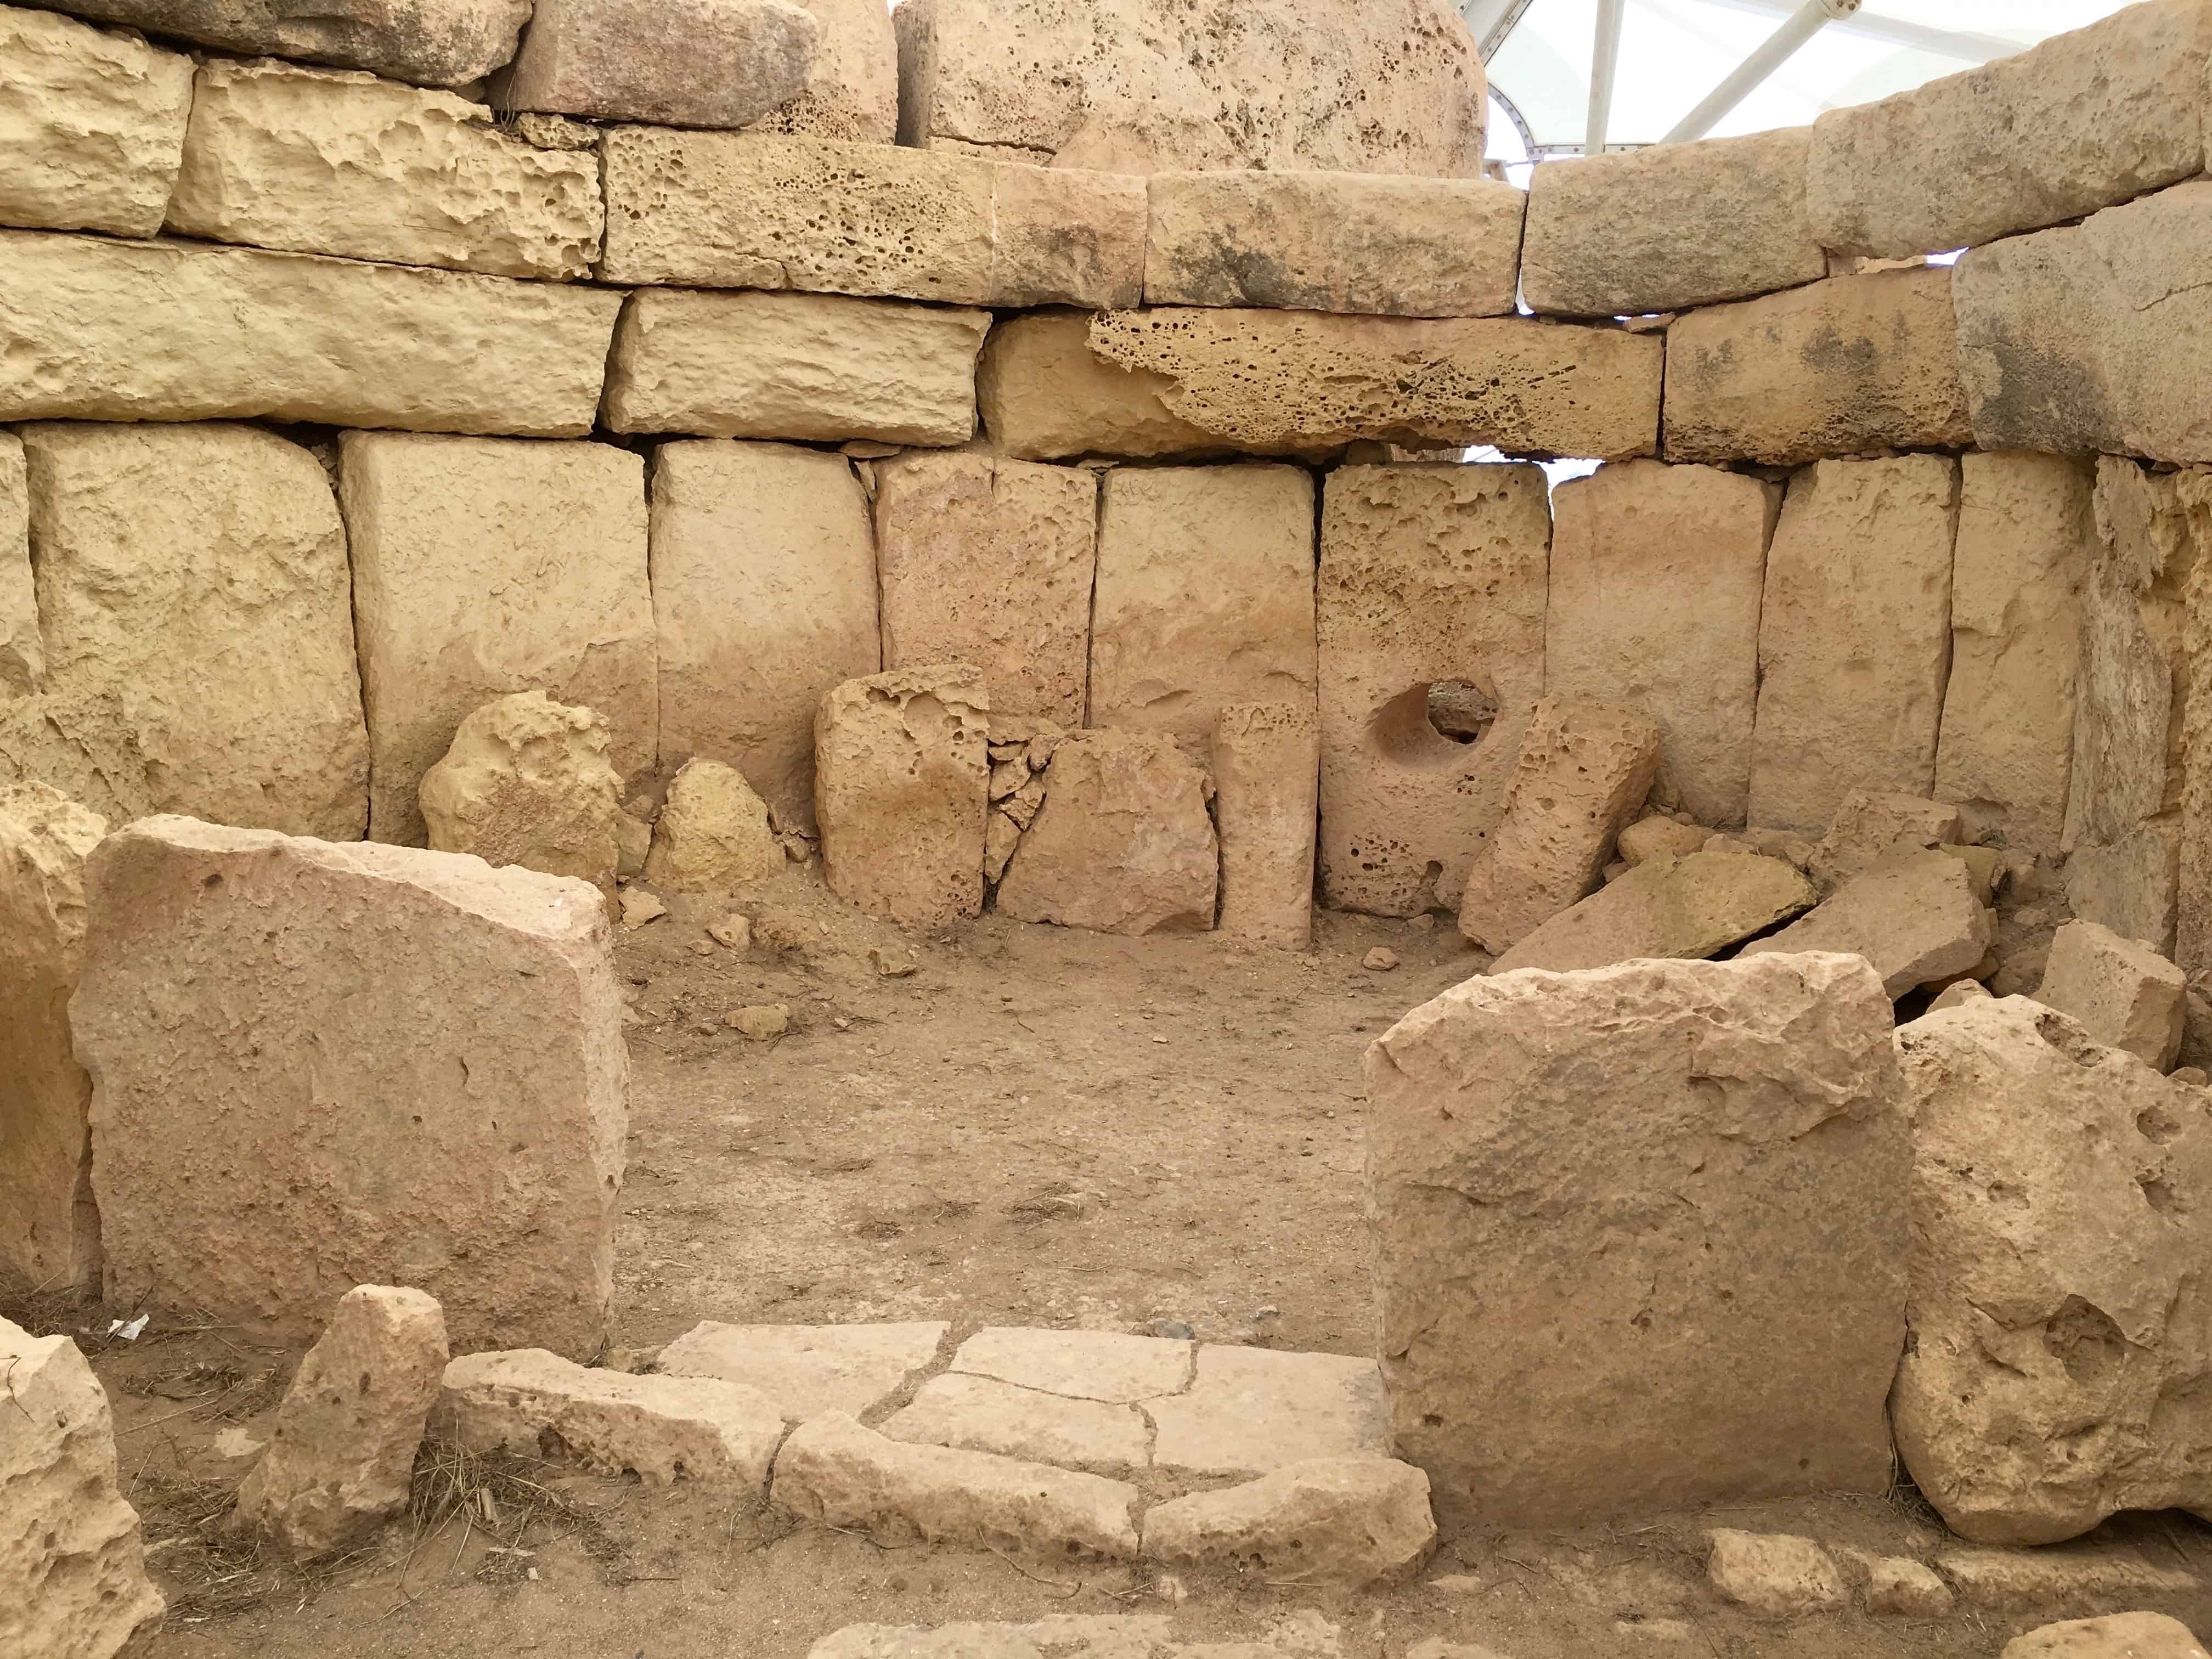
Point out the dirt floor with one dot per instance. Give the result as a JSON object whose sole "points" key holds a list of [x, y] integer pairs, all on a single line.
{"points": [[1031, 1126]]}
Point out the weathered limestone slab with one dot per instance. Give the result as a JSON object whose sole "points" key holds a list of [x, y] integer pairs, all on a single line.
{"points": [[1967, 159], [1067, 236], [988, 561], [22, 652], [92, 126], [2121, 993], [764, 591], [431, 43], [2058, 1327], [528, 782], [1764, 1295], [2132, 886], [1670, 227], [852, 91], [674, 63], [1837, 367], [1872, 824], [902, 775], [1064, 1635], [1267, 773], [343, 1453], [1304, 380], [1690, 543], [2192, 942], [806, 367], [322, 162], [258, 1165], [1250, 1412], [1854, 636], [1351, 1522], [49, 1225], [2064, 1578], [1203, 596], [981, 1414], [1659, 837], [834, 1472], [1916, 919], [1691, 908], [73, 1580], [1101, 1366], [1153, 86], [1383, 246], [1123, 843], [192, 604], [1778, 1574], [482, 568], [2117, 1636], [1044, 397], [808, 1369], [712, 834]]}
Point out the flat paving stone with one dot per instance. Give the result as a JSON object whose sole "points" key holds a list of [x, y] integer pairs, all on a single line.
{"points": [[1081, 1364], [1252, 1411], [808, 1369], [984, 1414]]}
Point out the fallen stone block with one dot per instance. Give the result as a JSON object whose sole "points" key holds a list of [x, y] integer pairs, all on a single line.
{"points": [[93, 123], [1778, 1575], [257, 1166], [1916, 920], [1349, 1521], [526, 782], [1045, 398], [1899, 1587], [1067, 236], [852, 91], [2075, 1579], [1958, 994], [2124, 994], [1103, 1365], [1252, 1411], [342, 1454], [2119, 1636], [672, 62], [1686, 907], [431, 43], [1873, 825], [1656, 837], [808, 1369], [1267, 774], [1767, 1291], [712, 833], [979, 1413]]}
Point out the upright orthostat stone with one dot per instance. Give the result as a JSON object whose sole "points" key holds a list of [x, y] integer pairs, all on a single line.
{"points": [[528, 782], [852, 91], [1266, 768], [2058, 1323], [1854, 638], [1669, 227], [1334, 241], [22, 652], [991, 561], [198, 653], [431, 43], [483, 568], [809, 367], [49, 1226], [1972, 157], [1758, 1320], [73, 1580], [322, 162], [1689, 543], [258, 1165], [901, 769], [1839, 368], [764, 584], [1044, 397], [1430, 576], [673, 63], [1158, 85], [239, 334], [92, 126], [1204, 595]]}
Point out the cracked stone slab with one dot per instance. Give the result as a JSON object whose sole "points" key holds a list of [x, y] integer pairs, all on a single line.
{"points": [[1253, 1411], [1103, 1365], [982, 1414], [808, 1369]]}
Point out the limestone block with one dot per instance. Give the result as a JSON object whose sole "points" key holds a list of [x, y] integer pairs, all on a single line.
{"points": [[430, 43], [1916, 919], [1766, 1289], [808, 1369], [1778, 1575], [1659, 837], [49, 1225], [902, 776], [674, 63], [1898, 1585], [2132, 886], [1430, 575], [2121, 993], [807, 367], [712, 834], [1690, 908], [73, 1581], [258, 1165], [1044, 397], [528, 782], [1266, 771], [988, 561], [1871, 824], [2193, 898], [1205, 596], [1350, 1521], [341, 1456], [764, 590], [835, 1473], [193, 603], [1251, 1411], [1067, 236], [1100, 1365], [2117, 1636], [981, 1414], [1854, 636], [22, 654], [852, 91], [1837, 367], [1063, 1636], [1582, 773], [1263, 380], [92, 126], [2057, 1202], [323, 162], [1157, 85], [2078, 1578], [1967, 159], [1958, 994], [239, 334], [1670, 227], [1123, 844], [482, 568], [1385, 245], [1690, 543]]}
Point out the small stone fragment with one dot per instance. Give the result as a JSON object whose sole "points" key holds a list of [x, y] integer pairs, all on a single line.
{"points": [[714, 833], [889, 965], [1000, 838], [1381, 960], [762, 1022], [1958, 996], [2122, 992], [526, 781], [1658, 837], [1916, 917], [640, 907], [1778, 1575]]}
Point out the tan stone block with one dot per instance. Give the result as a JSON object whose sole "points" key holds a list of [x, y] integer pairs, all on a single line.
{"points": [[764, 589], [1067, 236], [1350, 1521], [1044, 397], [805, 367], [1853, 637], [322, 162], [2193, 934], [1429, 575], [1103, 1365], [809, 1369], [1670, 227], [1254, 1411], [1690, 543], [979, 1413], [1872, 824], [22, 654], [2121, 992], [92, 126], [1064, 1635], [1500, 1162], [483, 568], [1916, 918], [431, 43], [852, 91], [254, 1167], [712, 834], [1692, 908], [1778, 1574], [2060, 1579], [675, 63], [991, 561], [1837, 367], [2117, 1636], [1658, 837], [1334, 241], [1267, 773], [528, 782]]}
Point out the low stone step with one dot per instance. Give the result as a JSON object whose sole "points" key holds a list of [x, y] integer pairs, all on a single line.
{"points": [[1343, 1521], [808, 1369]]}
